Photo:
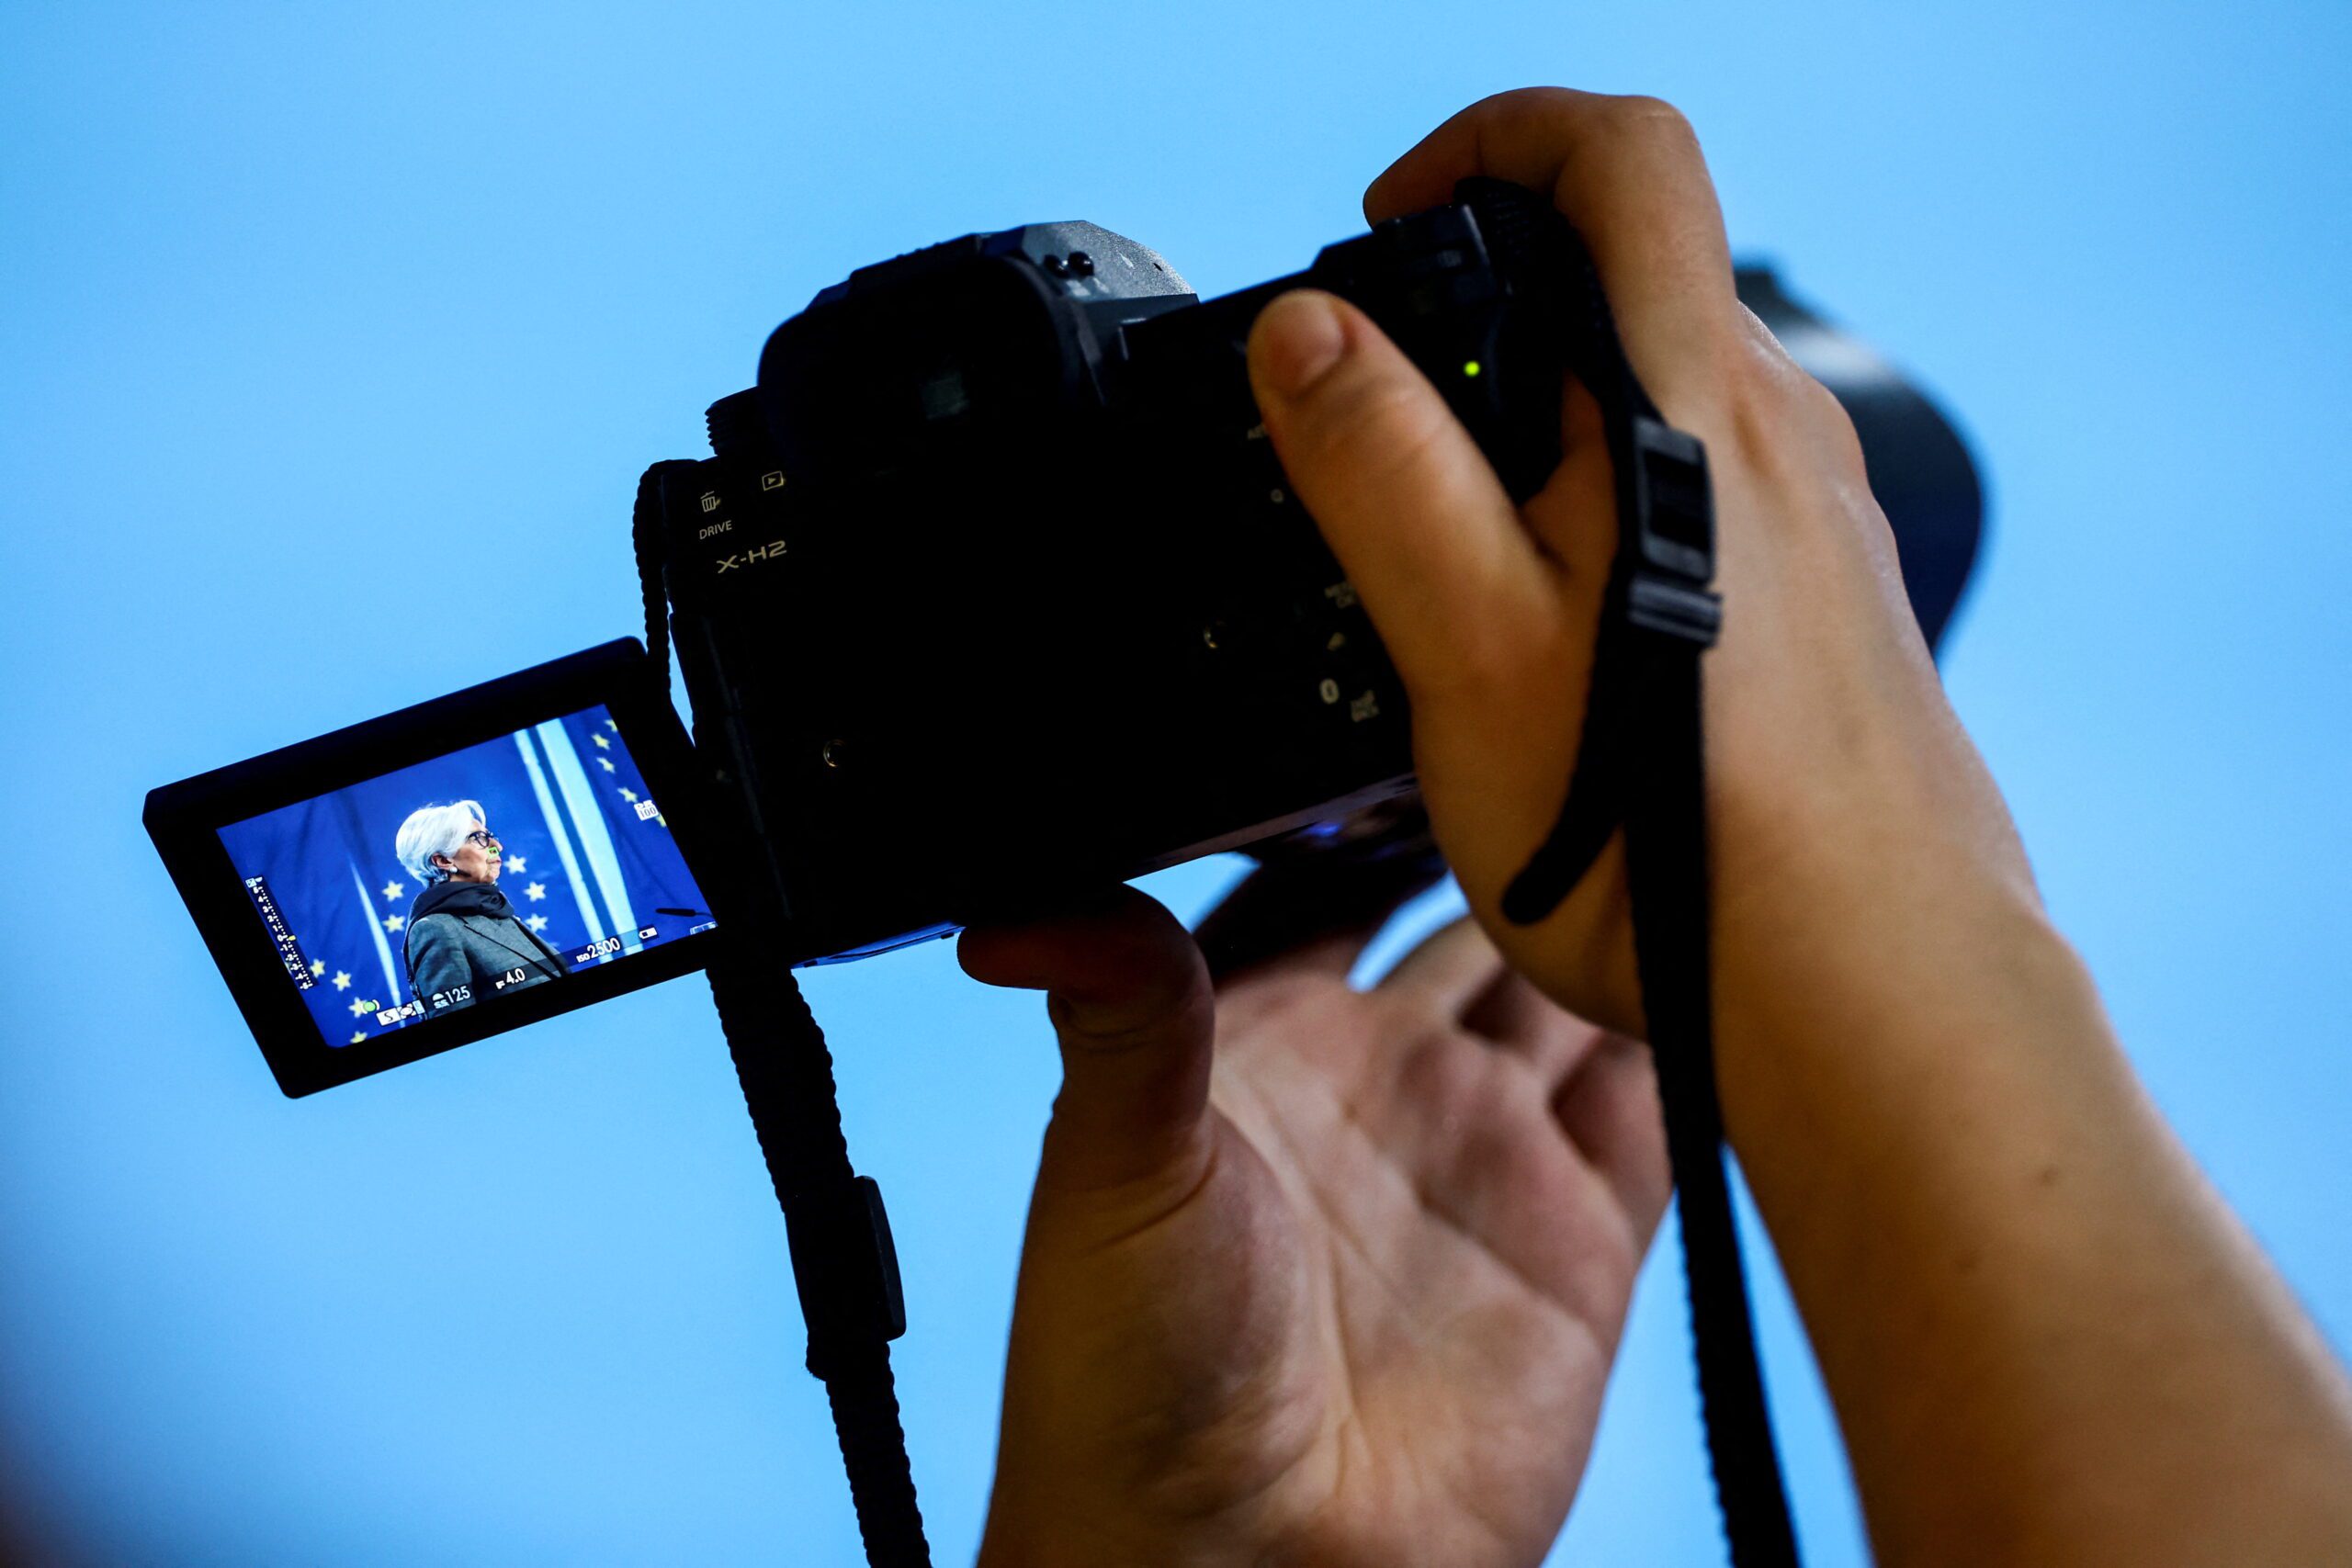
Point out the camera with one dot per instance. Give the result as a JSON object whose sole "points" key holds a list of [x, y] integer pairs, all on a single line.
{"points": [[991, 591], [993, 587]]}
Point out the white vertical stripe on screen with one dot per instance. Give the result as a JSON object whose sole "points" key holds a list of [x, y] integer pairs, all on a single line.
{"points": [[395, 979], [596, 836], [562, 839]]}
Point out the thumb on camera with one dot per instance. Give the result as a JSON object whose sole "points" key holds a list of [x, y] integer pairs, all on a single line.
{"points": [[1407, 502]]}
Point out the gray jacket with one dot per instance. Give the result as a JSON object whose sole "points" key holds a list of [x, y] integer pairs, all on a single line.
{"points": [[465, 944]]}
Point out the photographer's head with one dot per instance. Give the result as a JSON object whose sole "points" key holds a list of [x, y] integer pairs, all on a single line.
{"points": [[443, 844]]}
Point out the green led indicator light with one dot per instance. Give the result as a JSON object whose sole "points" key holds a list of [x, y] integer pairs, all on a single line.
{"points": [[1471, 369]]}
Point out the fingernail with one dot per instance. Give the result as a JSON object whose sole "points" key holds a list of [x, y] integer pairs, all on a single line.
{"points": [[1300, 339]]}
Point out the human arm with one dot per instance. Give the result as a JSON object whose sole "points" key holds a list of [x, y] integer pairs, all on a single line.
{"points": [[2046, 1336]]}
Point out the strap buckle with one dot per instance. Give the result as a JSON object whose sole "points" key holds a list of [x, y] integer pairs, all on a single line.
{"points": [[847, 1272], [1673, 535]]}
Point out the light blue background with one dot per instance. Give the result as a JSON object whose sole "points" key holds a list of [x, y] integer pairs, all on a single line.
{"points": [[310, 316]]}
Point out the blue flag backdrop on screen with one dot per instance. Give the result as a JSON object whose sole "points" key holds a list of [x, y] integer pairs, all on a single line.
{"points": [[588, 856]]}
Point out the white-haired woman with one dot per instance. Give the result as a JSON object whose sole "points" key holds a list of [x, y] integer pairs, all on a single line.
{"points": [[464, 941]]}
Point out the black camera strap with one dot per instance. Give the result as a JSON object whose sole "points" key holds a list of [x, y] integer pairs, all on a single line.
{"points": [[843, 1264], [843, 1260], [1640, 765]]}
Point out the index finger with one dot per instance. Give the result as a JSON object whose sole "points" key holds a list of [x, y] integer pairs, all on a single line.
{"points": [[1628, 174]]}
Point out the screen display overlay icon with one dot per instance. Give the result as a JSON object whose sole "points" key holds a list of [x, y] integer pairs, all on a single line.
{"points": [[455, 883]]}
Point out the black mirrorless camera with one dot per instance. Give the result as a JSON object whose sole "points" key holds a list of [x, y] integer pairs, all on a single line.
{"points": [[993, 590], [994, 587]]}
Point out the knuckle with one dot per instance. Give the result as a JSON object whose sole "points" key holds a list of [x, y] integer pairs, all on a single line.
{"points": [[1638, 114], [1565, 120], [1782, 413], [1835, 423], [1539, 114], [1141, 1022]]}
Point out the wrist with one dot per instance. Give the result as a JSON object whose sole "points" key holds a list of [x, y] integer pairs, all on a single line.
{"points": [[1878, 983], [1921, 1060]]}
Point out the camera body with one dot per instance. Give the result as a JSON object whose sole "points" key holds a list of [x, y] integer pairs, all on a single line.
{"points": [[994, 590], [996, 570]]}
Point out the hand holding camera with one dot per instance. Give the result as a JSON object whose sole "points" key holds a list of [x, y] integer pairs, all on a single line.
{"points": [[1842, 794]]}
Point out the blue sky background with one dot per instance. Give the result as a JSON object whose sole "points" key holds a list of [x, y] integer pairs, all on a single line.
{"points": [[311, 317]]}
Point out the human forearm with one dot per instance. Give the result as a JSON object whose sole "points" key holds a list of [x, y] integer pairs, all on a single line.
{"points": [[2046, 1339]]}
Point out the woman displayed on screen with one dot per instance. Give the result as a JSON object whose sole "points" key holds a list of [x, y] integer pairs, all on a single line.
{"points": [[465, 942]]}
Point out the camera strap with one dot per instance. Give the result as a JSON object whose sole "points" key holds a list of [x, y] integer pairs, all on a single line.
{"points": [[843, 1264], [843, 1260], [1641, 766]]}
